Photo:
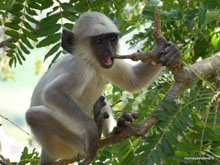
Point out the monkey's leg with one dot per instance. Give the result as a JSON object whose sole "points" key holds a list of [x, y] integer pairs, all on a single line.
{"points": [[57, 141]]}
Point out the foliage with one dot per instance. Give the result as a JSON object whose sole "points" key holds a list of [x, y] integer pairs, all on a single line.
{"points": [[28, 158], [190, 128]]}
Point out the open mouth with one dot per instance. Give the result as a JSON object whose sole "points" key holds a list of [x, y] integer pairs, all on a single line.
{"points": [[107, 62]]}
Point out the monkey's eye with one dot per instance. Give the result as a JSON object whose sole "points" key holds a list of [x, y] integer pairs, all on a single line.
{"points": [[98, 41], [113, 38]]}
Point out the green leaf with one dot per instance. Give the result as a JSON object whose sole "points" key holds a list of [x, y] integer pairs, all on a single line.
{"points": [[10, 55], [34, 5], [19, 51], [155, 157], [4, 6], [12, 25], [49, 40], [17, 7], [188, 147], [24, 153], [196, 122], [16, 13], [16, 20], [170, 106], [212, 4], [201, 16], [23, 48], [54, 49], [50, 20], [21, 54], [31, 19], [12, 33], [51, 29], [55, 58], [20, 1], [166, 146], [164, 116], [10, 51], [29, 35], [46, 4], [11, 61], [148, 14], [212, 135], [19, 60], [28, 26], [26, 41], [30, 11], [69, 7], [161, 152], [185, 119], [68, 26], [11, 45], [190, 25]]}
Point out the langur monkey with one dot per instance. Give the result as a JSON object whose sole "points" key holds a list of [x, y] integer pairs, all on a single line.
{"points": [[61, 112]]}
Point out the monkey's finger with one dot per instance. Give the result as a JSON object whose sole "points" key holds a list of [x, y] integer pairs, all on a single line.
{"points": [[102, 101], [121, 121], [105, 115], [162, 60], [135, 115], [173, 59], [103, 104], [117, 130], [101, 98], [128, 116]]}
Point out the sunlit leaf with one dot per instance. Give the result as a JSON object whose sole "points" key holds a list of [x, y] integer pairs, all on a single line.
{"points": [[23, 48], [12, 33], [49, 40], [12, 25], [54, 49], [29, 34]]}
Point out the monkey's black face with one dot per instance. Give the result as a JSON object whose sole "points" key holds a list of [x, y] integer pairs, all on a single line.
{"points": [[104, 48]]}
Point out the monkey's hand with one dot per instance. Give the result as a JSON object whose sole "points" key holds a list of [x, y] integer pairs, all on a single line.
{"points": [[95, 136], [98, 116], [127, 117], [171, 55]]}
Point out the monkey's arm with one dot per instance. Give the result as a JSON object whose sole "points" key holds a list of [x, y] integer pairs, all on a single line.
{"points": [[136, 77], [133, 78]]}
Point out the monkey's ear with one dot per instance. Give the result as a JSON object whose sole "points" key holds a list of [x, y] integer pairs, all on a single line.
{"points": [[68, 42], [115, 20]]}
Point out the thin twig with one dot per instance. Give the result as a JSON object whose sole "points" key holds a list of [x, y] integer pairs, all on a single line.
{"points": [[15, 125]]}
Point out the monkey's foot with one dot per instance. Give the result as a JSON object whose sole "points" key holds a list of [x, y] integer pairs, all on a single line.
{"points": [[126, 121]]}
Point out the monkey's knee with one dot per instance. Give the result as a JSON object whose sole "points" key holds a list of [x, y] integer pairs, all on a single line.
{"points": [[36, 114], [31, 116]]}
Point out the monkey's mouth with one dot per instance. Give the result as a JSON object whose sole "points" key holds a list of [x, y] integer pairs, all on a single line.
{"points": [[107, 62]]}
